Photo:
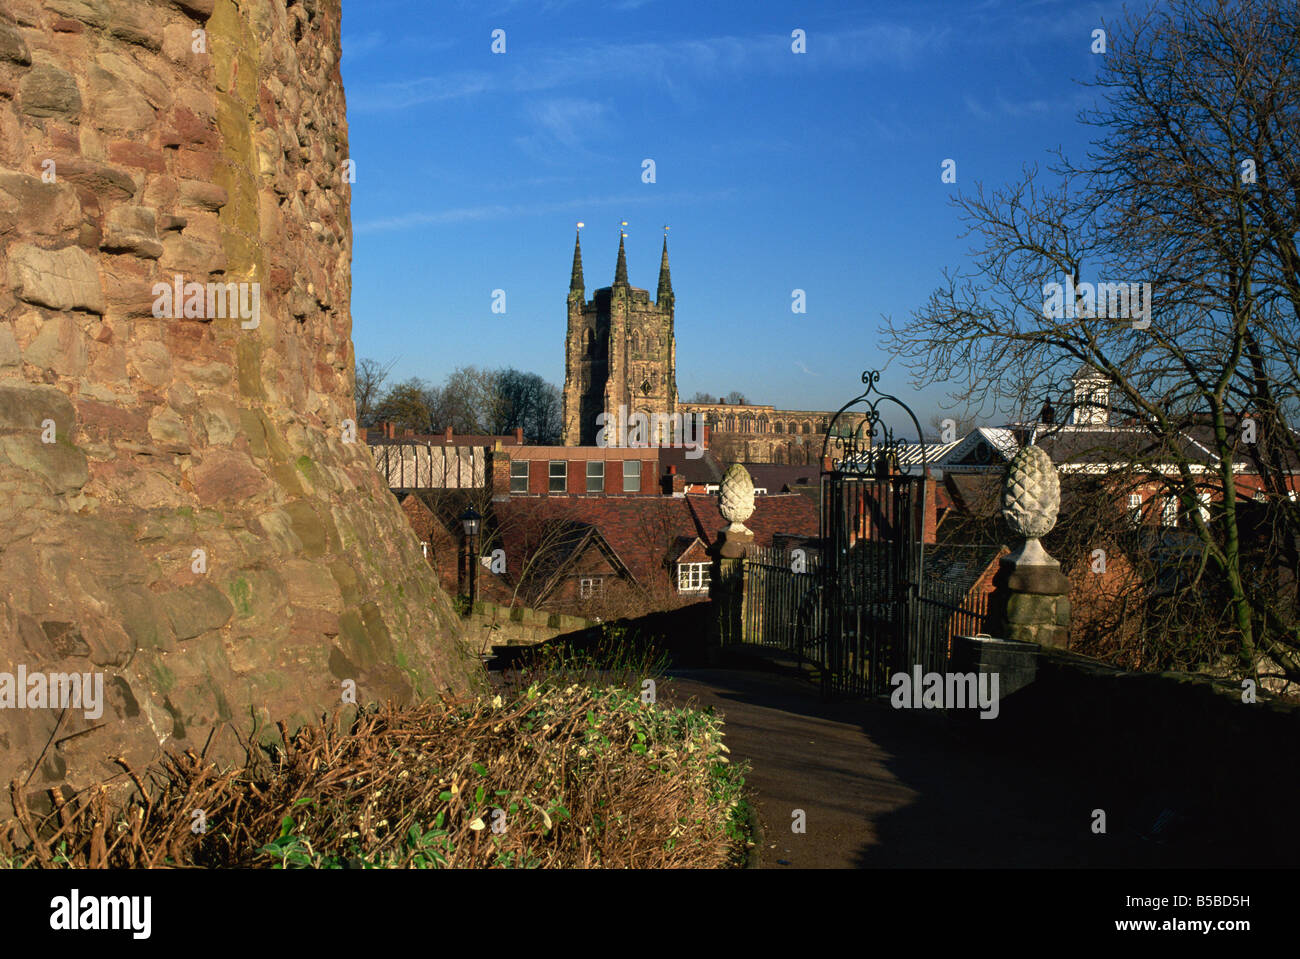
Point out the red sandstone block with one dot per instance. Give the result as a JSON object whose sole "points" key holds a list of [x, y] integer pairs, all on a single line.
{"points": [[188, 128], [267, 102], [62, 138], [64, 25], [196, 165], [130, 153]]}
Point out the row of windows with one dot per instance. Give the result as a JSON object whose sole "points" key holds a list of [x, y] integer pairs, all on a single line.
{"points": [[691, 578], [748, 424], [558, 476], [1168, 508]]}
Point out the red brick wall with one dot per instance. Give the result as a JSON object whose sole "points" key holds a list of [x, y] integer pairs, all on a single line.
{"points": [[539, 477]]}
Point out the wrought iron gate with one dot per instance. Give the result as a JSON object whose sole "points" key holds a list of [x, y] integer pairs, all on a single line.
{"points": [[872, 528]]}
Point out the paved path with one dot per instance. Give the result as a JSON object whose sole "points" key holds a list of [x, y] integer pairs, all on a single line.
{"points": [[881, 787]]}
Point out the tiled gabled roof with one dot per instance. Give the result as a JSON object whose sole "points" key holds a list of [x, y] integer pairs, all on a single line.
{"points": [[644, 532], [776, 477], [703, 469]]}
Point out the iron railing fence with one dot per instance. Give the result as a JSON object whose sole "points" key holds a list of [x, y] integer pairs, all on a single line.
{"points": [[782, 607], [795, 611], [946, 610]]}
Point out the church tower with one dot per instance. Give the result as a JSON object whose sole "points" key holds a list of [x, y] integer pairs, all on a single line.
{"points": [[620, 351]]}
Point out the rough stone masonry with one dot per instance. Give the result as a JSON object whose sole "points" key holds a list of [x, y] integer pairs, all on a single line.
{"points": [[180, 508]]}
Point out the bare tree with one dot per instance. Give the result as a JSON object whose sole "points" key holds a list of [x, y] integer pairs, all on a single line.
{"points": [[406, 405], [1184, 220], [468, 402], [527, 402], [947, 426], [369, 387]]}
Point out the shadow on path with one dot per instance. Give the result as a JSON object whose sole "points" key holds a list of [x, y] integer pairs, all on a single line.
{"points": [[913, 788]]}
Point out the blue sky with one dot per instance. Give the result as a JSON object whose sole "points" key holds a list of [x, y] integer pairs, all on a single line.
{"points": [[776, 171]]}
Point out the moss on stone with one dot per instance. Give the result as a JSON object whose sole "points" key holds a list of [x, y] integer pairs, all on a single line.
{"points": [[242, 594], [163, 676], [248, 358]]}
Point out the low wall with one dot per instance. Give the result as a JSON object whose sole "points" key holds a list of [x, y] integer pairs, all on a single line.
{"points": [[1143, 743], [493, 625]]}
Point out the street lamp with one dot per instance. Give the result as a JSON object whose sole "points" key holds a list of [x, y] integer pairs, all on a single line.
{"points": [[470, 520]]}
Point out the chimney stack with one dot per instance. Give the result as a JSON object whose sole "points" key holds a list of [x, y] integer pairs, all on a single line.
{"points": [[519, 436], [449, 435], [674, 483], [499, 473]]}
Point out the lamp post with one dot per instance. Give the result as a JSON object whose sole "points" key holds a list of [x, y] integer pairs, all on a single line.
{"points": [[470, 520]]}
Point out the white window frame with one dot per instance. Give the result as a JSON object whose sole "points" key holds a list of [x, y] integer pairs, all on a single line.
{"points": [[1169, 511], [693, 577], [599, 477], [514, 475], [1135, 508], [590, 587], [563, 477], [1203, 506], [631, 483]]}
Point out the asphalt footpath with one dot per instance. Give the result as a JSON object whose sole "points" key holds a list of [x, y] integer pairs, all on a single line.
{"points": [[877, 787]]}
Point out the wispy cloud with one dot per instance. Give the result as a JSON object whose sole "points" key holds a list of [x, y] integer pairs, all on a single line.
{"points": [[500, 211], [358, 46], [805, 368], [673, 65], [1003, 106], [569, 121]]}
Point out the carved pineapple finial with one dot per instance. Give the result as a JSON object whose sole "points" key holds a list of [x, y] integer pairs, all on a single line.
{"points": [[1031, 496], [736, 499]]}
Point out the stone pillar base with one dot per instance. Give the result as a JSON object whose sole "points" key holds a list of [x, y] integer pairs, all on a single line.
{"points": [[1031, 604], [733, 544]]}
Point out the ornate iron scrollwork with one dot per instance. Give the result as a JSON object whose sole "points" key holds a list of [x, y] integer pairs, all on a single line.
{"points": [[870, 445]]}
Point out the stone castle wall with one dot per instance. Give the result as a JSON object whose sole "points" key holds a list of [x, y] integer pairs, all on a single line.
{"points": [[180, 509]]}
